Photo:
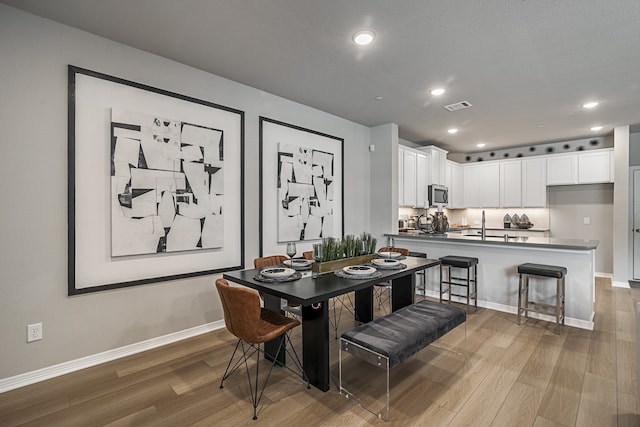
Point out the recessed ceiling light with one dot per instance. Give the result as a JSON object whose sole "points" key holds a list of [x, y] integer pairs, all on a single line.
{"points": [[437, 91], [596, 128], [480, 145], [363, 37], [452, 130], [590, 105], [378, 98]]}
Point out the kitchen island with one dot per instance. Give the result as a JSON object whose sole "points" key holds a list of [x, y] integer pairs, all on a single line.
{"points": [[499, 257]]}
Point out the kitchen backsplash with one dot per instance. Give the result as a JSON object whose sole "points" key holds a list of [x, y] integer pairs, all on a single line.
{"points": [[493, 217]]}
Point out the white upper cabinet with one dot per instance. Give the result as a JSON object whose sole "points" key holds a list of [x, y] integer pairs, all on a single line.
{"points": [[482, 185], [454, 180], [580, 168], [437, 164], [422, 167], [562, 169], [534, 183], [595, 166], [409, 178], [400, 177], [511, 184], [413, 169]]}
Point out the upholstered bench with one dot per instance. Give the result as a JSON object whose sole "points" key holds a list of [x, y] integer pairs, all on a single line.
{"points": [[389, 340]]}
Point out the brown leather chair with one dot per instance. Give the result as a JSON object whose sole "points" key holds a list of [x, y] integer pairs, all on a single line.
{"points": [[307, 255], [382, 291], [269, 261], [403, 251], [254, 325]]}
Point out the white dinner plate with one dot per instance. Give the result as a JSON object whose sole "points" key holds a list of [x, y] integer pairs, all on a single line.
{"points": [[390, 254], [359, 270], [297, 263], [385, 262], [277, 272]]}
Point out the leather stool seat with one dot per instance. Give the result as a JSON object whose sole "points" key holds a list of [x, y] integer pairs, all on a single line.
{"points": [[542, 270], [459, 261]]}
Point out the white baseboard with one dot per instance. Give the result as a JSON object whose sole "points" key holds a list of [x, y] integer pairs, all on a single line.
{"points": [[616, 284], [569, 321], [49, 372]]}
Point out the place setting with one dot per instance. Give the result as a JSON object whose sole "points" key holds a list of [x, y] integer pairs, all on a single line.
{"points": [[358, 272], [388, 263], [278, 274]]}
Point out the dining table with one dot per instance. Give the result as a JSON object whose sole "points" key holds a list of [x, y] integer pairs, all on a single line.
{"points": [[313, 292]]}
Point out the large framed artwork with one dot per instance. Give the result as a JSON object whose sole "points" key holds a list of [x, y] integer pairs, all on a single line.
{"points": [[155, 187], [301, 186]]}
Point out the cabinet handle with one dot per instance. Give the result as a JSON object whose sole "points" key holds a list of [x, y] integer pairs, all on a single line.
{"points": [[637, 230]]}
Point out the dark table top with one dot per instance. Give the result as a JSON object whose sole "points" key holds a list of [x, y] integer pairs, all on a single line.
{"points": [[309, 290]]}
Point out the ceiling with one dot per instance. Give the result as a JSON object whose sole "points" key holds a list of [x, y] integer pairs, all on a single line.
{"points": [[526, 66]]}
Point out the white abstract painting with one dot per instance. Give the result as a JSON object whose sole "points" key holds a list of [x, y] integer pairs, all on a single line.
{"points": [[167, 185], [305, 193]]}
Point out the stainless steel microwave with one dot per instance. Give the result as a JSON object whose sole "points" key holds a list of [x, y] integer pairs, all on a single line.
{"points": [[438, 195]]}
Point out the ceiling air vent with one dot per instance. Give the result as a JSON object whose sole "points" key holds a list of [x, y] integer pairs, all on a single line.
{"points": [[458, 106]]}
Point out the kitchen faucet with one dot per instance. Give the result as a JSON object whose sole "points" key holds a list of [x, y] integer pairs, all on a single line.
{"points": [[484, 228]]}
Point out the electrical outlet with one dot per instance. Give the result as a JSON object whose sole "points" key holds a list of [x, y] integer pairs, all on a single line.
{"points": [[587, 220], [34, 332]]}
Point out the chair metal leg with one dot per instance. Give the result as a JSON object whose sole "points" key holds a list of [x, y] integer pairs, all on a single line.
{"points": [[248, 350], [519, 298]]}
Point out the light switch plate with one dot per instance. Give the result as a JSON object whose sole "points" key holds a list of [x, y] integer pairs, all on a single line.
{"points": [[587, 220]]}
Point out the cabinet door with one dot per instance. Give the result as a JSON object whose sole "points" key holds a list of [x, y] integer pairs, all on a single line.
{"points": [[594, 167], [511, 184], [454, 177], [400, 177], [472, 186], [422, 168], [490, 185], [534, 183], [562, 169], [438, 171], [409, 172]]}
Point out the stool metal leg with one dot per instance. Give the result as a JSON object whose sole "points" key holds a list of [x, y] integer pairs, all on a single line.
{"points": [[450, 284], [441, 279], [468, 288], [526, 296], [475, 285], [563, 297], [519, 299], [558, 302]]}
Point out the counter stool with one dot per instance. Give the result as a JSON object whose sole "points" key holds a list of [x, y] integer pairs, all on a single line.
{"points": [[420, 273], [468, 263], [551, 271]]}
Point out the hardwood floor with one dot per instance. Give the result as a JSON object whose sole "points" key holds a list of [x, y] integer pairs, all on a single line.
{"points": [[513, 376]]}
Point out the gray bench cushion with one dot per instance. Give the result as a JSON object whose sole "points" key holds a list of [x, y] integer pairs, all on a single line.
{"points": [[408, 330]]}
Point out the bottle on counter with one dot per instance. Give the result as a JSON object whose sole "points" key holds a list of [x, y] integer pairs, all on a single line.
{"points": [[506, 221]]}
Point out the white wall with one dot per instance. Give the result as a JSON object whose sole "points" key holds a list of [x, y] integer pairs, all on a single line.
{"points": [[33, 112], [570, 204]]}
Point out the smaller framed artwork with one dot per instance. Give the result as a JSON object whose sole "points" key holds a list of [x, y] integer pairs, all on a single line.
{"points": [[301, 185]]}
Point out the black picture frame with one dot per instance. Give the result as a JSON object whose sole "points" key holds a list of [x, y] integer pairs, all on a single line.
{"points": [[271, 133], [90, 266]]}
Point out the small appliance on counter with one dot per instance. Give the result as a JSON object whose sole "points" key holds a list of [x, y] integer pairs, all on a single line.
{"points": [[440, 223]]}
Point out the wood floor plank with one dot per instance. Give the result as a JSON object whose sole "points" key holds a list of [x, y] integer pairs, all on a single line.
{"points": [[598, 402], [520, 407]]}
